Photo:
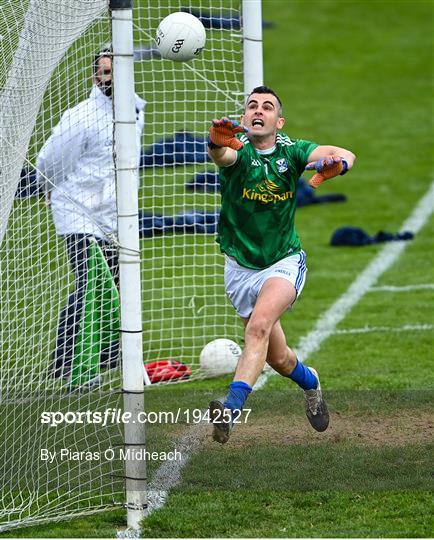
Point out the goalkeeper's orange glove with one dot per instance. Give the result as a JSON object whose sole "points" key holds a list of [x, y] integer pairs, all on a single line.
{"points": [[326, 167], [222, 133]]}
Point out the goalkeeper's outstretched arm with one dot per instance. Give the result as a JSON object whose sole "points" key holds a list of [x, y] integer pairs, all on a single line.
{"points": [[222, 156], [327, 150], [222, 144], [329, 161]]}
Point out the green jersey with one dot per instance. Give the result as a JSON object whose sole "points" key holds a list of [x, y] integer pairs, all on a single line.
{"points": [[258, 198]]}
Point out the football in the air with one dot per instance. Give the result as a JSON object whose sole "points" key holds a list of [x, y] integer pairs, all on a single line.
{"points": [[180, 37], [219, 357]]}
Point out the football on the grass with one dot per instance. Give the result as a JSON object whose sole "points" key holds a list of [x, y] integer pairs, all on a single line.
{"points": [[219, 357], [180, 37]]}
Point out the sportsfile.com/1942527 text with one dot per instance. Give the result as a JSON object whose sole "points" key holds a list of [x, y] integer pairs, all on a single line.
{"points": [[117, 416]]}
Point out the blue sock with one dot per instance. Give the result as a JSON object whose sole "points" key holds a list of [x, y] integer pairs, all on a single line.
{"points": [[238, 393], [304, 377]]}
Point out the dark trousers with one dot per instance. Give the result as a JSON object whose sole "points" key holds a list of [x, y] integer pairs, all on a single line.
{"points": [[69, 323]]}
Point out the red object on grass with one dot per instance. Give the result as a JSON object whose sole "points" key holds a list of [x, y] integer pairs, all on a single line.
{"points": [[167, 370]]}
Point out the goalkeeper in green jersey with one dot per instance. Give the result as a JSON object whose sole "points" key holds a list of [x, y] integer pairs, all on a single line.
{"points": [[265, 266]]}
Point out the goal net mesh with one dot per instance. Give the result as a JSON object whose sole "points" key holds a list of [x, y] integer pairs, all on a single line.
{"points": [[46, 53]]}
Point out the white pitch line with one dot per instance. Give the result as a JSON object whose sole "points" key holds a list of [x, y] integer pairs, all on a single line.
{"points": [[169, 474], [391, 329], [327, 323], [402, 288]]}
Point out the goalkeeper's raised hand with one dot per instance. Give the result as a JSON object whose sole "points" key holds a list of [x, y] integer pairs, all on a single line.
{"points": [[326, 167], [222, 134]]}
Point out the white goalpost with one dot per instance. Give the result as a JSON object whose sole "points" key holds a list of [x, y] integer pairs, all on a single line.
{"points": [[87, 301], [252, 45], [129, 255]]}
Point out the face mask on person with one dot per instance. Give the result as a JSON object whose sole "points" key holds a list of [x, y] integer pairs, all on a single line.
{"points": [[103, 75], [106, 88]]}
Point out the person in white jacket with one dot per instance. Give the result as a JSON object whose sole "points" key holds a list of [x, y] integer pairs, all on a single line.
{"points": [[77, 169]]}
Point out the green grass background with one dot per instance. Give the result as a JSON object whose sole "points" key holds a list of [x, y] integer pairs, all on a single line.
{"points": [[356, 74]]}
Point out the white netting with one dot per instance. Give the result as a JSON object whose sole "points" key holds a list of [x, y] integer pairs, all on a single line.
{"points": [[46, 52], [44, 66], [184, 303]]}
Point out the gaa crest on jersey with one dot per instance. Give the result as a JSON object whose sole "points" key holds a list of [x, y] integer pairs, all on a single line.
{"points": [[281, 165]]}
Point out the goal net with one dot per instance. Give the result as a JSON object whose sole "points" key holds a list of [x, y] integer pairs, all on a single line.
{"points": [[56, 355]]}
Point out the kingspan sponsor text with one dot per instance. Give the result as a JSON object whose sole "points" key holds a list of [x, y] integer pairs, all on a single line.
{"points": [[266, 197]]}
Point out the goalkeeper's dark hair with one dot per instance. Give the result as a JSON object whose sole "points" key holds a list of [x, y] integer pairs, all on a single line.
{"points": [[106, 52], [266, 90]]}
